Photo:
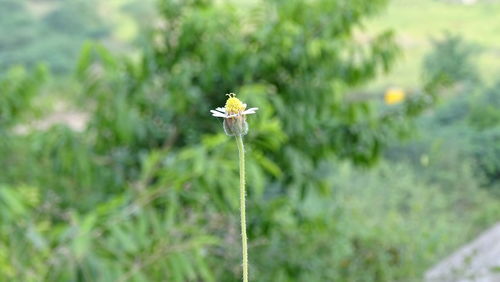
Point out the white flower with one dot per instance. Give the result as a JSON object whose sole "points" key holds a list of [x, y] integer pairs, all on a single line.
{"points": [[234, 114], [221, 112], [234, 107]]}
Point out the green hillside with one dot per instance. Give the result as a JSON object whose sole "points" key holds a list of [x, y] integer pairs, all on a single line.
{"points": [[416, 23]]}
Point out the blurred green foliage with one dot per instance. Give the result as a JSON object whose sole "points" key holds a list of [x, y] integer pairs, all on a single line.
{"points": [[48, 30], [18, 87], [148, 192], [451, 59], [466, 127]]}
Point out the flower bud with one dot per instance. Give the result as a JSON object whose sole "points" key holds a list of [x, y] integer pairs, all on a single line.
{"points": [[236, 126]]}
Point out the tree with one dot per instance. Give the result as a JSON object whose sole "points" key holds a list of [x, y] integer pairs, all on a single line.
{"points": [[147, 191], [296, 60]]}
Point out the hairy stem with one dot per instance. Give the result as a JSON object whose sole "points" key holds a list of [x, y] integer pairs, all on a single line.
{"points": [[241, 151]]}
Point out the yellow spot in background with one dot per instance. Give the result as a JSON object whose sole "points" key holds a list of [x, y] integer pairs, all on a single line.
{"points": [[394, 96]]}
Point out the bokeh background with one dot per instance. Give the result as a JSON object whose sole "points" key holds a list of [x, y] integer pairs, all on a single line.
{"points": [[375, 152]]}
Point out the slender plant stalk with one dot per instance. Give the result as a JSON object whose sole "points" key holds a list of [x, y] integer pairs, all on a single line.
{"points": [[241, 151]]}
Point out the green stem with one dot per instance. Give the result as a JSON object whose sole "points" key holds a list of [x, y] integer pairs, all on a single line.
{"points": [[241, 151]]}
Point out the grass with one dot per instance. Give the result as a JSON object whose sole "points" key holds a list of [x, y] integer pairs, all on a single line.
{"points": [[417, 22]]}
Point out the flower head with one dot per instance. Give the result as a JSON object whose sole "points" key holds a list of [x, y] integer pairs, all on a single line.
{"points": [[234, 105], [234, 115], [233, 108]]}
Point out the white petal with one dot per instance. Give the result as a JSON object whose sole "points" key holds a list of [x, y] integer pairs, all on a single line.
{"points": [[250, 111], [217, 114], [221, 115], [221, 109]]}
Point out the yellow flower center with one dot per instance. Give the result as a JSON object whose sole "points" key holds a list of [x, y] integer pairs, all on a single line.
{"points": [[234, 105]]}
